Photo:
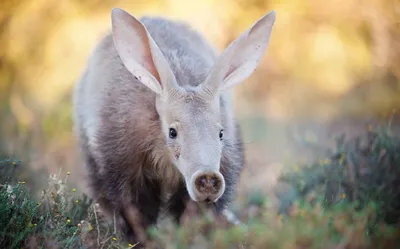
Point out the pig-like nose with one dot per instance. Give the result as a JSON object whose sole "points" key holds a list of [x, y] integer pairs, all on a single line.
{"points": [[209, 186], [208, 183]]}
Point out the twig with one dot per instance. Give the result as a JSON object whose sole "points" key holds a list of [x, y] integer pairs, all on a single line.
{"points": [[105, 241], [97, 224], [135, 244], [115, 223]]}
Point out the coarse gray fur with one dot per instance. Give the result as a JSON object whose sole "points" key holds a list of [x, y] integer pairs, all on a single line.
{"points": [[134, 169]]}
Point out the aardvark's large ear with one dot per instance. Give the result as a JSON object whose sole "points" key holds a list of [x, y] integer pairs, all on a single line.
{"points": [[139, 53], [241, 57]]}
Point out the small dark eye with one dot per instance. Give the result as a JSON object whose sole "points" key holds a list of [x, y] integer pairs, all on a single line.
{"points": [[221, 134], [172, 133]]}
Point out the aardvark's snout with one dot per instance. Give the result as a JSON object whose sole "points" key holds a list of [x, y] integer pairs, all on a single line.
{"points": [[207, 186]]}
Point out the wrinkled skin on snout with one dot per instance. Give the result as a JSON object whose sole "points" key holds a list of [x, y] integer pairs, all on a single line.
{"points": [[195, 138]]}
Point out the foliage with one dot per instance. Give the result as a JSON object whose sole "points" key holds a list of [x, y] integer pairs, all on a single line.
{"points": [[329, 211], [306, 226], [51, 224], [48, 221], [360, 170]]}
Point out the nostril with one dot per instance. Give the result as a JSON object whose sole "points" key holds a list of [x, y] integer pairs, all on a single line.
{"points": [[203, 181], [214, 181]]}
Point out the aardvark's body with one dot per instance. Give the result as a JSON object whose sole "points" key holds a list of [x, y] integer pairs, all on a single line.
{"points": [[153, 116]]}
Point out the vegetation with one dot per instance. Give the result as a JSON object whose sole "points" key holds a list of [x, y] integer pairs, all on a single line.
{"points": [[360, 170], [326, 61], [350, 200]]}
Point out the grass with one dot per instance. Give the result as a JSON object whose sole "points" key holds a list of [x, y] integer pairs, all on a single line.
{"points": [[361, 170], [347, 200]]}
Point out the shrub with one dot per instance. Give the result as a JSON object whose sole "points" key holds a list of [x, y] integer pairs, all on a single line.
{"points": [[349, 200], [362, 170]]}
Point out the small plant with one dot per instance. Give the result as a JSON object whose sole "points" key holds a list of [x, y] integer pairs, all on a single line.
{"points": [[305, 226], [359, 171], [347, 200]]}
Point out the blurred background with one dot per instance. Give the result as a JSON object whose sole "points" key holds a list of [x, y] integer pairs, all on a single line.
{"points": [[332, 67]]}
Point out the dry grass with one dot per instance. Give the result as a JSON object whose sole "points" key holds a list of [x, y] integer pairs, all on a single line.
{"points": [[348, 200]]}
